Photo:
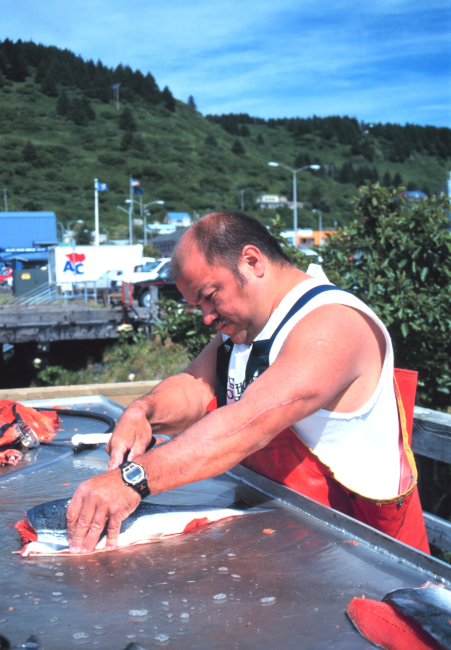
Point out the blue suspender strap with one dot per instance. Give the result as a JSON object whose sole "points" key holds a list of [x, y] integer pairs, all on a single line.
{"points": [[259, 355]]}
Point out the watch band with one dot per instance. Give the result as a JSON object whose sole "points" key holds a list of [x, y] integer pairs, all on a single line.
{"points": [[142, 487]]}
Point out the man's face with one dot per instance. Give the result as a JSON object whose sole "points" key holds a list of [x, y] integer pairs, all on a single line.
{"points": [[227, 305]]}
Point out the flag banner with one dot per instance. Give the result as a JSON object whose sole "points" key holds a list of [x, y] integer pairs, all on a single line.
{"points": [[102, 187], [137, 190], [134, 182]]}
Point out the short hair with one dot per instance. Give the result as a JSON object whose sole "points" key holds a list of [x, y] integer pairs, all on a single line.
{"points": [[221, 237]]}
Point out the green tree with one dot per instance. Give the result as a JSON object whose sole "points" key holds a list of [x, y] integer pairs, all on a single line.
{"points": [[191, 102], [397, 259], [211, 141], [150, 250], [29, 154], [238, 148], [397, 179], [83, 236], [77, 112], [126, 120], [63, 104], [168, 99], [260, 139], [386, 179], [127, 141]]}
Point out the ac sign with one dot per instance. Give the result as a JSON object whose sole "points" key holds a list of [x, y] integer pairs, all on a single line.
{"points": [[74, 263]]}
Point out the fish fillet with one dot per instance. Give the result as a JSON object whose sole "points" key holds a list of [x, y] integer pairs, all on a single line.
{"points": [[387, 628]]}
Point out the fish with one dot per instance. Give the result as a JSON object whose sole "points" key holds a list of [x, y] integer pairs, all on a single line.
{"points": [[429, 605], [42, 424], [44, 531], [383, 625]]}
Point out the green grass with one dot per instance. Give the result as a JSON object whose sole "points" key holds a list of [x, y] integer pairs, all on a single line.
{"points": [[176, 165]]}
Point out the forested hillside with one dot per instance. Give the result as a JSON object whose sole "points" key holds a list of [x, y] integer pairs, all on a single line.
{"points": [[60, 128]]}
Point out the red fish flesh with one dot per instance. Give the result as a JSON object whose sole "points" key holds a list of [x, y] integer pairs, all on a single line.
{"points": [[384, 626], [43, 423]]}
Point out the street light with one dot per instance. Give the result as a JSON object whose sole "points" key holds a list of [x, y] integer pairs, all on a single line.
{"points": [[320, 224], [143, 212], [58, 223], [295, 202]]}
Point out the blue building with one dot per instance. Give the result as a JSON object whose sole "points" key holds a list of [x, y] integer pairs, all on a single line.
{"points": [[25, 238]]}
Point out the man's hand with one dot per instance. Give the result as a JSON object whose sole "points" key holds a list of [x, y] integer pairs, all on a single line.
{"points": [[99, 500], [132, 434]]}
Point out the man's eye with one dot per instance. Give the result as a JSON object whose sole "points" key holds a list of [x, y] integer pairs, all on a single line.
{"points": [[209, 298]]}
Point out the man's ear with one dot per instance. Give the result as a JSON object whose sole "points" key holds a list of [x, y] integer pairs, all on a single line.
{"points": [[253, 260]]}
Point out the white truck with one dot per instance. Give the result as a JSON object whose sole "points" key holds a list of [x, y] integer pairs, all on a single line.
{"points": [[91, 264], [149, 271]]}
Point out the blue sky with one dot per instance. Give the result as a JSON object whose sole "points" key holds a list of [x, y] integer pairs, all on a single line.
{"points": [[385, 61]]}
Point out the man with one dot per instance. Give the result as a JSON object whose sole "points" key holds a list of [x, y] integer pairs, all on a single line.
{"points": [[305, 388]]}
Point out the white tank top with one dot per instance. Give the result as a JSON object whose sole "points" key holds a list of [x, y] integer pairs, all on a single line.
{"points": [[360, 448]]}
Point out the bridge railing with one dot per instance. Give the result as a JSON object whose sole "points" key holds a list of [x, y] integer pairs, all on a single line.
{"points": [[51, 292]]}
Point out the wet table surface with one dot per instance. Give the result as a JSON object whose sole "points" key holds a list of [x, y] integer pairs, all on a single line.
{"points": [[270, 580]]}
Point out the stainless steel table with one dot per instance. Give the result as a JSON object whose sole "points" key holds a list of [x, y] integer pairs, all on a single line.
{"points": [[281, 579]]}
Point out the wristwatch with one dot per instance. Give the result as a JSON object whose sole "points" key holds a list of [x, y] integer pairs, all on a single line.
{"points": [[134, 476]]}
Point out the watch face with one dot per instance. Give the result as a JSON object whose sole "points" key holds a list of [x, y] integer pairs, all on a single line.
{"points": [[134, 474]]}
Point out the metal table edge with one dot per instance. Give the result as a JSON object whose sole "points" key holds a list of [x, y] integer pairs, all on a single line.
{"points": [[428, 566]]}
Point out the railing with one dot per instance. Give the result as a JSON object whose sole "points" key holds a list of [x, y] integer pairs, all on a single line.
{"points": [[52, 292], [431, 439]]}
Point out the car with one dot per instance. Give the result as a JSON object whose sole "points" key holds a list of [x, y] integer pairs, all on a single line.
{"points": [[109, 280], [142, 291], [6, 276], [147, 271]]}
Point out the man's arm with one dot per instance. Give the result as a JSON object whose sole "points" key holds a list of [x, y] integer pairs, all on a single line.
{"points": [[171, 407], [331, 354]]}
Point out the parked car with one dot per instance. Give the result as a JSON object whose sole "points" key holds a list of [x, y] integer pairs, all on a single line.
{"points": [[6, 276], [148, 271], [109, 279], [166, 288]]}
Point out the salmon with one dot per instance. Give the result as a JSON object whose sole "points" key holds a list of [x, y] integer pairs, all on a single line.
{"points": [[383, 625], [44, 532]]}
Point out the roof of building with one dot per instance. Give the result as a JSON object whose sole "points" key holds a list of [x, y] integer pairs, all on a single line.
{"points": [[170, 237], [27, 230]]}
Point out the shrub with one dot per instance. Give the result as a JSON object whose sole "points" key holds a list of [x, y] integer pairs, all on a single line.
{"points": [[397, 259]]}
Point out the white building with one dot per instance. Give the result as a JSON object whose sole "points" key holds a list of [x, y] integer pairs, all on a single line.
{"points": [[274, 201]]}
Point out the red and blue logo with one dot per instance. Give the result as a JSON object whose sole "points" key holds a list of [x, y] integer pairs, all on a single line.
{"points": [[74, 263]]}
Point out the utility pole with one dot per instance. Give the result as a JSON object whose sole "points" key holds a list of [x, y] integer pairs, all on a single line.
{"points": [[242, 200], [130, 213], [96, 212], [6, 200], [115, 88]]}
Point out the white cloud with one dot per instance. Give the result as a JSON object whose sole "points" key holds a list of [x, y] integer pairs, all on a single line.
{"points": [[259, 57]]}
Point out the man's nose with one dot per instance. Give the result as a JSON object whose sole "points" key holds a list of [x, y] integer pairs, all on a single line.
{"points": [[209, 314]]}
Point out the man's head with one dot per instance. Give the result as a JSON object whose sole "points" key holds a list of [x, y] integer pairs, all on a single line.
{"points": [[221, 238], [229, 265]]}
